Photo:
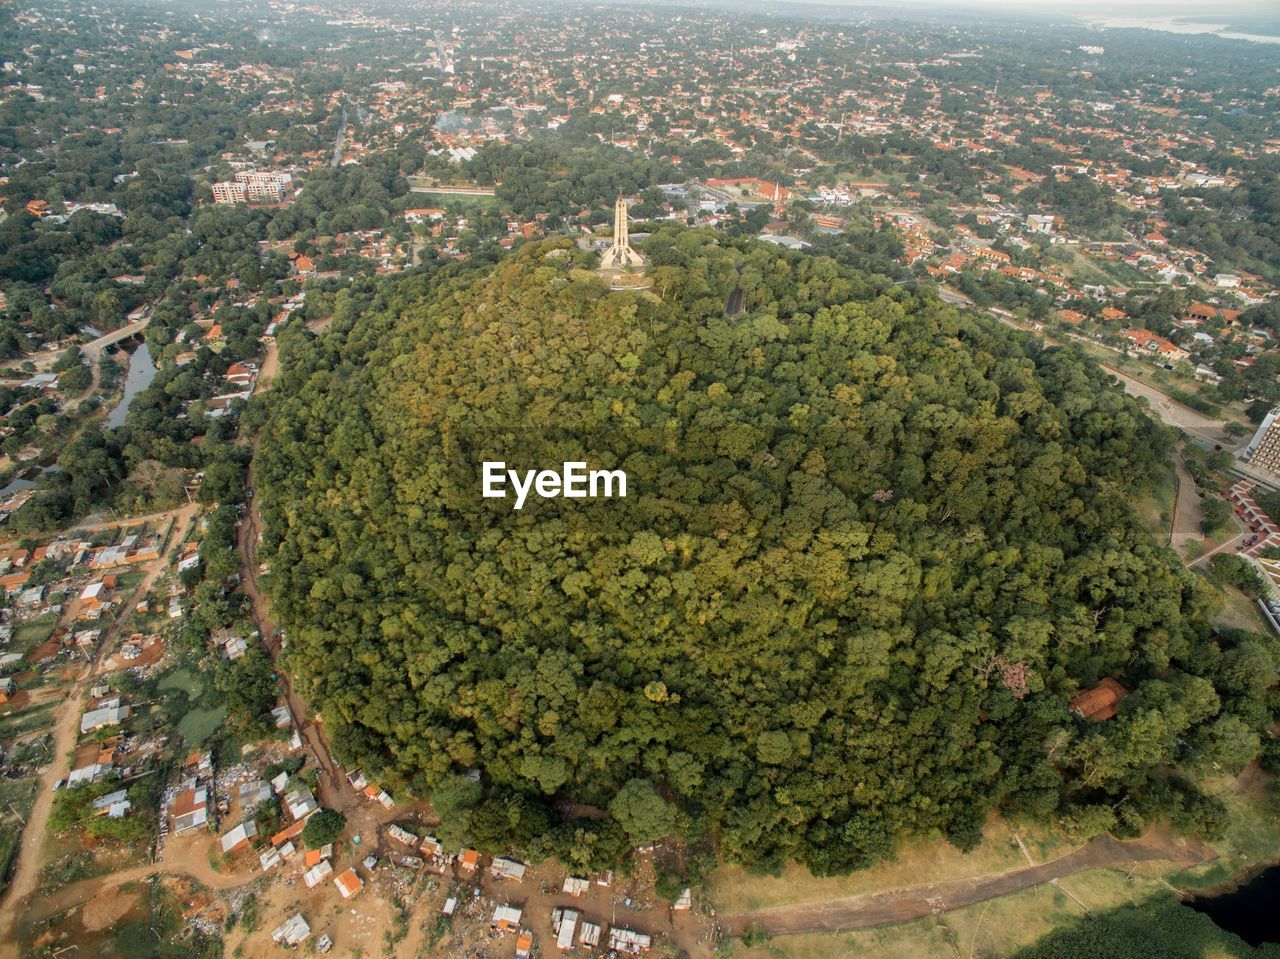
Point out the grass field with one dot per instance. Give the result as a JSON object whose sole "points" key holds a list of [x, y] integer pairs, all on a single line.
{"points": [[183, 678], [733, 889], [996, 928], [1156, 509], [461, 201], [16, 798], [1253, 831], [1240, 612], [34, 632], [199, 724], [27, 720], [1004, 926], [1089, 269], [131, 578], [204, 712]]}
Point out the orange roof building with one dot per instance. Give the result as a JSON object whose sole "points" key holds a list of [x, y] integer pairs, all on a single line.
{"points": [[289, 832], [1100, 703], [524, 944], [348, 883], [13, 580]]}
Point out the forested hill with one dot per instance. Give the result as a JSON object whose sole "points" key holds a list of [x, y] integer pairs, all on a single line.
{"points": [[871, 547]]}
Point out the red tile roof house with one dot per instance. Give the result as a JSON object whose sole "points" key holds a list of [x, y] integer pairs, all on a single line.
{"points": [[1149, 342], [1100, 703]]}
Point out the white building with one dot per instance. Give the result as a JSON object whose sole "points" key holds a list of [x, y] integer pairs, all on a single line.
{"points": [[229, 191]]}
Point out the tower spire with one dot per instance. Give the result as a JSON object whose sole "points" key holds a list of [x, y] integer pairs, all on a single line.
{"points": [[620, 255]]}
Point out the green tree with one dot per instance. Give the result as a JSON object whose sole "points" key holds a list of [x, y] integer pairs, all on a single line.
{"points": [[642, 812], [323, 827]]}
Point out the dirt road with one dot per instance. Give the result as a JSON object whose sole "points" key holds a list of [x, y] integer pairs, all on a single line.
{"points": [[903, 905], [335, 791], [79, 893]]}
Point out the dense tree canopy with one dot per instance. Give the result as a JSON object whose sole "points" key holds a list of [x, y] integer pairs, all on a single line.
{"points": [[871, 548]]}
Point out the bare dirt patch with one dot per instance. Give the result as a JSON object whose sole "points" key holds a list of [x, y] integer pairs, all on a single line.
{"points": [[44, 651], [106, 909]]}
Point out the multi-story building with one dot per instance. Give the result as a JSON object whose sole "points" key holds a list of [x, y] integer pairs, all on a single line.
{"points": [[1263, 451], [253, 186], [265, 187], [230, 191]]}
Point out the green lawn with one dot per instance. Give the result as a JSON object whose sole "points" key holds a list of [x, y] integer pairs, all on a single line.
{"points": [[183, 678], [198, 725], [1156, 509], [461, 201], [34, 632]]}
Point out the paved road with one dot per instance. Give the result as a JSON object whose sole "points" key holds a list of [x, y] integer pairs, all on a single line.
{"points": [[952, 296], [1168, 410], [94, 348], [337, 142], [887, 908], [1174, 413]]}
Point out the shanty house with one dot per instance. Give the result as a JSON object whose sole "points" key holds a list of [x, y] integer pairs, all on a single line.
{"points": [[292, 931], [506, 917], [238, 838], [318, 874], [348, 883], [507, 869]]}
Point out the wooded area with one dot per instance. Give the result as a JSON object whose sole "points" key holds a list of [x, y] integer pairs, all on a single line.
{"points": [[871, 549]]}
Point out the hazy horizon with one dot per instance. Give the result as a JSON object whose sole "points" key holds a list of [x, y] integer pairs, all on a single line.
{"points": [[1082, 7]]}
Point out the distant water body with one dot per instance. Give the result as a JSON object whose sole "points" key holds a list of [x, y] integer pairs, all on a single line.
{"points": [[1178, 25]]}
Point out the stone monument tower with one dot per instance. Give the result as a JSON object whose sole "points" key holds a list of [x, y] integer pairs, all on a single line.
{"points": [[620, 256]]}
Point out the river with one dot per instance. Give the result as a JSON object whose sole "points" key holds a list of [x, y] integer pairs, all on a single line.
{"points": [[1176, 24], [141, 372]]}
